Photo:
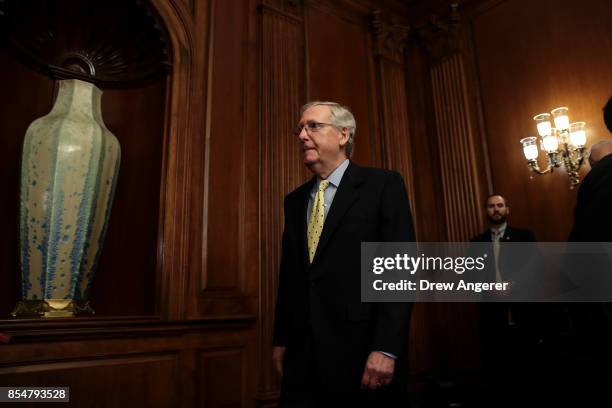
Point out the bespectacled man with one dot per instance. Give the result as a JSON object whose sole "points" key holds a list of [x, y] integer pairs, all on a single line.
{"points": [[330, 348]]}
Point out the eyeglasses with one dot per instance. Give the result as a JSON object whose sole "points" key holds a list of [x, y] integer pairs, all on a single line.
{"points": [[311, 127]]}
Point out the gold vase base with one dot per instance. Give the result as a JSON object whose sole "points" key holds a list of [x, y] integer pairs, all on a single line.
{"points": [[52, 308]]}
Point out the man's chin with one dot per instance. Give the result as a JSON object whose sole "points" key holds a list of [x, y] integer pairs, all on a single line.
{"points": [[497, 221], [310, 160]]}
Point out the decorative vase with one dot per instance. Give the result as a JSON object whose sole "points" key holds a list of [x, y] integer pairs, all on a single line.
{"points": [[68, 175]]}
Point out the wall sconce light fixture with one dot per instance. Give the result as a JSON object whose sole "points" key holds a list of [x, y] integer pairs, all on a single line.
{"points": [[564, 144]]}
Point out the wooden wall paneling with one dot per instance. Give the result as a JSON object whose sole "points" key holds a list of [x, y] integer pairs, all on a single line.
{"points": [[395, 134], [191, 5], [463, 182], [429, 202], [227, 369], [181, 142], [189, 117], [340, 68], [281, 168], [224, 138], [390, 41], [227, 390], [456, 133], [455, 109], [222, 285], [120, 362], [450, 182], [563, 60], [145, 380]]}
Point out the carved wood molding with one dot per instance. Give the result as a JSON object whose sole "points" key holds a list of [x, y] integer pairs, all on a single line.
{"points": [[289, 9], [457, 138], [440, 36], [389, 47], [175, 209], [72, 39], [390, 39], [282, 94], [66, 329], [396, 146]]}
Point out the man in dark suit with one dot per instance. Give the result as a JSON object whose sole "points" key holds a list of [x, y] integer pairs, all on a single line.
{"points": [[592, 221], [497, 215], [508, 265], [592, 321], [507, 330], [330, 347]]}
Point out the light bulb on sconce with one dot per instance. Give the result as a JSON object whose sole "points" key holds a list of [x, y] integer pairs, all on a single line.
{"points": [[543, 123], [561, 118], [577, 134], [550, 142], [530, 147]]}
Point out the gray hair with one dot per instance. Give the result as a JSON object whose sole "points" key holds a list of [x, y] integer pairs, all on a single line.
{"points": [[599, 150], [341, 117]]}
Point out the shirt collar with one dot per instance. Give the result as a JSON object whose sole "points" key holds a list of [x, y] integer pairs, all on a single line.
{"points": [[501, 229], [337, 174], [335, 177]]}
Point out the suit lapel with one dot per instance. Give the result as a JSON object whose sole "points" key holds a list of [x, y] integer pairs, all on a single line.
{"points": [[345, 197], [508, 235]]}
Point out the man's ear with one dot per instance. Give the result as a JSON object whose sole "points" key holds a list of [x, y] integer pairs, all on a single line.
{"points": [[345, 137]]}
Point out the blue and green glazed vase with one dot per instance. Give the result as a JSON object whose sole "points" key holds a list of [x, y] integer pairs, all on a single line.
{"points": [[68, 176]]}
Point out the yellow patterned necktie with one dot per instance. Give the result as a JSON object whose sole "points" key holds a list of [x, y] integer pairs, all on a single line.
{"points": [[317, 218]]}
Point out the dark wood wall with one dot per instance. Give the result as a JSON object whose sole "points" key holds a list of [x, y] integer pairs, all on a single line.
{"points": [[209, 156], [533, 57]]}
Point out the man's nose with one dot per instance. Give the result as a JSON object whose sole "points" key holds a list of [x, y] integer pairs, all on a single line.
{"points": [[303, 136]]}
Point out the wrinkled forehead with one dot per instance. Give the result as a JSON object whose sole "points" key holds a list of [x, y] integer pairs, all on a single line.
{"points": [[320, 113]]}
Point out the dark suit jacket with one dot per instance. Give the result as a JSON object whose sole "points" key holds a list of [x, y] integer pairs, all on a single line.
{"points": [[510, 263], [319, 314], [510, 235], [592, 223], [493, 318], [592, 220]]}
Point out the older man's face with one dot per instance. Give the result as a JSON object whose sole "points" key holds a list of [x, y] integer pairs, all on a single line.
{"points": [[325, 145]]}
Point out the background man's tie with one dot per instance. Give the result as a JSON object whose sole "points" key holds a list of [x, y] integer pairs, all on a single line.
{"points": [[496, 246], [317, 218]]}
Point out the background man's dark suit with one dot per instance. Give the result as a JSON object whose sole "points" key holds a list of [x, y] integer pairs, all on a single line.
{"points": [[328, 332], [510, 235], [510, 263], [591, 322], [508, 331], [592, 216], [593, 223]]}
